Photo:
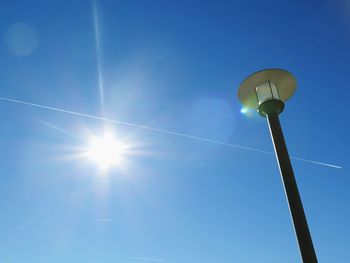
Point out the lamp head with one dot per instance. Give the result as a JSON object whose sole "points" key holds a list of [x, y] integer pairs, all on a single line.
{"points": [[267, 90]]}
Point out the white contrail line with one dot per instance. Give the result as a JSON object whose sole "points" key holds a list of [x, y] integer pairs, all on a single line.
{"points": [[98, 54], [315, 162], [160, 130]]}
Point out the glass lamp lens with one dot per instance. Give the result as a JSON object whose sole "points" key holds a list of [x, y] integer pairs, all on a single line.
{"points": [[266, 91]]}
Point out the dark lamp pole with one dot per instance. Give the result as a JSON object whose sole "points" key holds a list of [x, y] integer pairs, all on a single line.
{"points": [[266, 91]]}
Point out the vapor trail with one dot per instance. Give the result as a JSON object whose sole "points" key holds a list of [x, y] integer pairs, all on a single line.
{"points": [[160, 130], [98, 54]]}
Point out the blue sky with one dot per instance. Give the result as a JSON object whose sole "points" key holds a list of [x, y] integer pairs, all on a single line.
{"points": [[176, 66]]}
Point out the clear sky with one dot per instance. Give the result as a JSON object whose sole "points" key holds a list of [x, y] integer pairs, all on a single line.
{"points": [[176, 66]]}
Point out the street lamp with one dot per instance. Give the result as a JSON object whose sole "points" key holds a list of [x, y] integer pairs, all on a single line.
{"points": [[266, 91]]}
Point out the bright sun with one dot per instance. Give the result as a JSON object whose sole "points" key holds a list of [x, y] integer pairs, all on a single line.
{"points": [[106, 151]]}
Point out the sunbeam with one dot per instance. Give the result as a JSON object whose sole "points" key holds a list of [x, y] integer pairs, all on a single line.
{"points": [[98, 55]]}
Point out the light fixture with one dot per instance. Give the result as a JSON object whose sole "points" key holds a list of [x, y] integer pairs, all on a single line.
{"points": [[266, 91]]}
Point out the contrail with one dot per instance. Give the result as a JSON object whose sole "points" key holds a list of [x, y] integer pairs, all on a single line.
{"points": [[98, 54], [160, 130]]}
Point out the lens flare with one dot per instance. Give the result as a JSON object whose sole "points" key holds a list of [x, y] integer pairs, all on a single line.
{"points": [[250, 113], [244, 110]]}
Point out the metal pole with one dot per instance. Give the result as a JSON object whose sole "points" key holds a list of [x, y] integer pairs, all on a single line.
{"points": [[291, 189]]}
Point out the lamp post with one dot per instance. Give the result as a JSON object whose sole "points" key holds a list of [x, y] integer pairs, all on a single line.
{"points": [[266, 91]]}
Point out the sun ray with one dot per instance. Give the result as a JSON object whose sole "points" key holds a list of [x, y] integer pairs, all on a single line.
{"points": [[98, 55]]}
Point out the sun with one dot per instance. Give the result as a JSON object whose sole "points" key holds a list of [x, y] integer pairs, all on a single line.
{"points": [[105, 151]]}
